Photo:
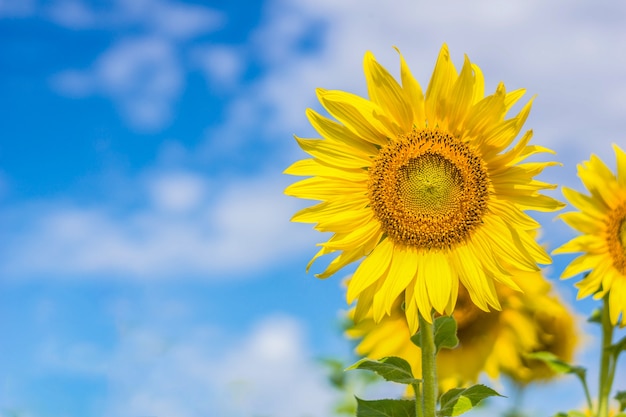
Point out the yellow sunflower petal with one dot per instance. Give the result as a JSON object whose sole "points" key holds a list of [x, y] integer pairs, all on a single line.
{"points": [[580, 264], [421, 295], [462, 91], [440, 86], [371, 269], [616, 302], [335, 132], [385, 91], [362, 117], [621, 165], [403, 267], [412, 93], [439, 278]]}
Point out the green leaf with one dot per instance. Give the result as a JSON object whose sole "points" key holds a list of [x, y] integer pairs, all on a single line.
{"points": [[445, 333], [385, 408], [336, 374], [617, 348], [458, 400], [620, 396], [596, 316], [558, 365], [573, 413], [417, 339], [391, 368], [576, 413]]}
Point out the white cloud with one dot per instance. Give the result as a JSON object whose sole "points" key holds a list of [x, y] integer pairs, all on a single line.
{"points": [[183, 21], [73, 14], [171, 19], [203, 372], [144, 74], [572, 57], [17, 8], [74, 83], [184, 227], [223, 65], [267, 375], [179, 192]]}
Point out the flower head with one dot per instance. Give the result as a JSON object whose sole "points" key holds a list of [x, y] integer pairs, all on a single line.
{"points": [[602, 222], [429, 189], [494, 343]]}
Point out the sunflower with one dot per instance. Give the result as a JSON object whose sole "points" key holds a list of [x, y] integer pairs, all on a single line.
{"points": [[602, 222], [428, 188], [494, 343]]}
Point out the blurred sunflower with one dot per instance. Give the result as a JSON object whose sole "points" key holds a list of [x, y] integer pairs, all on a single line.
{"points": [[602, 220], [429, 188], [495, 343]]}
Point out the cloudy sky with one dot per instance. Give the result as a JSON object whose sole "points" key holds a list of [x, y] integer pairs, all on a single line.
{"points": [[147, 262]]}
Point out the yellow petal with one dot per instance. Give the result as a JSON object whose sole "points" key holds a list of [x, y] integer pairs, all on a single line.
{"points": [[361, 116], [336, 132], [580, 264], [385, 91], [621, 165], [440, 86], [413, 93], [373, 267], [401, 272], [421, 288], [439, 278]]}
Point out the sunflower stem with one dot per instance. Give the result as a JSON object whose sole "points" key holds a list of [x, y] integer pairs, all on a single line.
{"points": [[419, 411], [607, 365], [429, 367]]}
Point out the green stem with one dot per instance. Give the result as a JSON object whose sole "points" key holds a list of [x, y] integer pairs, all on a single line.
{"points": [[607, 365], [429, 367], [419, 411], [587, 394]]}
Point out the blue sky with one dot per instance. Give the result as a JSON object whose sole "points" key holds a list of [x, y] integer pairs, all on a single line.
{"points": [[147, 264]]}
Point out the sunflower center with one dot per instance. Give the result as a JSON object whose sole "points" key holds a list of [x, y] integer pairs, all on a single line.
{"points": [[428, 189], [616, 237], [430, 184], [622, 234]]}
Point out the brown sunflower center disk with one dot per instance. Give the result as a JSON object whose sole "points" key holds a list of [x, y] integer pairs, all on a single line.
{"points": [[428, 189], [616, 237]]}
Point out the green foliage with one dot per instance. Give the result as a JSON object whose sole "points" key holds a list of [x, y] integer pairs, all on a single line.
{"points": [[573, 413], [346, 383], [618, 347], [336, 375], [558, 365], [460, 400], [385, 408], [453, 403], [621, 398], [391, 368], [445, 334], [596, 316]]}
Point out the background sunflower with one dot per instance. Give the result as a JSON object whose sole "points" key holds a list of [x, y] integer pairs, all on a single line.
{"points": [[602, 222], [493, 343]]}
